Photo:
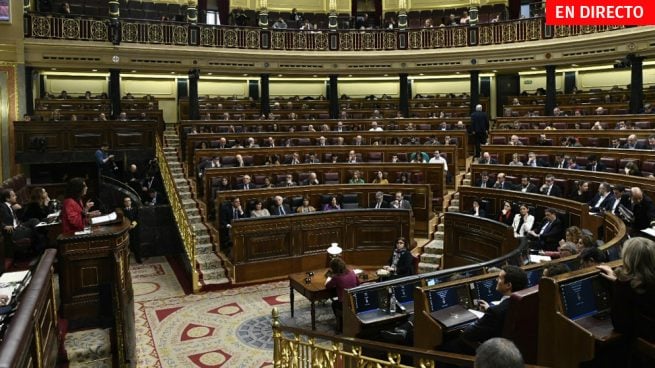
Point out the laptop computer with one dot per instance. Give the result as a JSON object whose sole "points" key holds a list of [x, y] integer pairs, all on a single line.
{"points": [[454, 317]]}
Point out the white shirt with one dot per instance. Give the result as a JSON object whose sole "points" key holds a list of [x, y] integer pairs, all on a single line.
{"points": [[376, 129], [13, 214], [602, 198], [439, 160], [528, 222]]}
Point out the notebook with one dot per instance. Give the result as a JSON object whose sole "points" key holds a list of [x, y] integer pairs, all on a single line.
{"points": [[454, 317]]}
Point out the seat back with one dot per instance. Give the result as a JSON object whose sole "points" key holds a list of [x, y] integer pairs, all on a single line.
{"points": [[521, 322]]}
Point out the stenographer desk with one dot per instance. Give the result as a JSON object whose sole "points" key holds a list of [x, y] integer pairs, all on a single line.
{"points": [[95, 283]]}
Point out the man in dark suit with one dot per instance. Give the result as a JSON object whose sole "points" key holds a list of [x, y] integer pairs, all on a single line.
{"points": [[484, 181], [643, 210], [533, 161], [561, 162], [12, 227], [230, 212], [132, 214], [501, 183], [479, 128], [603, 200], [549, 233], [621, 198], [594, 165], [487, 159], [527, 186], [490, 325], [280, 208], [379, 201], [246, 183], [550, 188]]}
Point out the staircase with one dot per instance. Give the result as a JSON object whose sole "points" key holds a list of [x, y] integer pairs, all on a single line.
{"points": [[209, 265]]}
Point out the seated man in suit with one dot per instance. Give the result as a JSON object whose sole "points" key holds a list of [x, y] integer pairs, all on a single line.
{"points": [[379, 201], [550, 188], [595, 165], [603, 200], [549, 232], [288, 181], [527, 186], [280, 208], [401, 202], [230, 211], [487, 159], [132, 214], [484, 181], [12, 228], [621, 198], [533, 161], [246, 183], [490, 325], [501, 183], [311, 180]]}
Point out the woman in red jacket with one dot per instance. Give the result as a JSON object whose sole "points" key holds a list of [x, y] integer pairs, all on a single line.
{"points": [[74, 213]]}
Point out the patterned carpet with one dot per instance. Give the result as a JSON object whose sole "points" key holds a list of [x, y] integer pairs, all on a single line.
{"points": [[230, 328]]}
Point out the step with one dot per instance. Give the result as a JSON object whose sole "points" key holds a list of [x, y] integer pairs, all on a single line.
{"points": [[440, 227], [88, 346], [212, 273], [189, 203], [431, 258], [204, 248], [209, 261], [453, 208], [466, 182], [434, 247], [218, 281], [456, 195], [427, 267], [439, 235], [467, 176], [454, 202]]}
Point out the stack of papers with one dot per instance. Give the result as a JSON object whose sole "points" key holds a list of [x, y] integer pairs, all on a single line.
{"points": [[17, 277], [104, 219], [535, 258]]}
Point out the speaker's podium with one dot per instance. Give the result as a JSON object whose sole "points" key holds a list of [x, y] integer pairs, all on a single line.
{"points": [[96, 285]]}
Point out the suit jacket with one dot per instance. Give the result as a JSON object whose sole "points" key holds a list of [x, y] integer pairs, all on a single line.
{"points": [[644, 213], [479, 122], [481, 212], [492, 161], [489, 326], [489, 184], [405, 265], [555, 191], [525, 227], [599, 167], [624, 201], [531, 188], [227, 215], [538, 162], [5, 214], [565, 164], [277, 210], [384, 204], [404, 204], [551, 237], [507, 185], [242, 186], [606, 204]]}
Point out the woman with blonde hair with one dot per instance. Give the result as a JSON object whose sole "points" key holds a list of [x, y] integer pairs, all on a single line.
{"points": [[634, 291]]}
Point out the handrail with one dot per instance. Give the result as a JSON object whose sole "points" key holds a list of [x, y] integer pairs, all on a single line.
{"points": [[186, 230], [123, 186], [305, 351], [140, 31]]}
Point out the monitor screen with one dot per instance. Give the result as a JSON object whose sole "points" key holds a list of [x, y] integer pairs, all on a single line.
{"points": [[578, 298], [366, 300], [405, 293], [432, 281], [443, 298], [486, 290], [534, 276]]}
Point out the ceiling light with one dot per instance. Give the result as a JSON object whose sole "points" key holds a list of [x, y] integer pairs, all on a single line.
{"points": [[279, 75], [574, 65], [421, 74], [494, 71], [315, 75], [386, 75], [53, 69], [245, 74], [133, 71], [210, 73], [533, 68], [94, 70], [350, 75]]}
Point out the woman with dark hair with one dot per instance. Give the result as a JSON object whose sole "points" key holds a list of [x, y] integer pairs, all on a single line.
{"points": [[401, 262], [38, 208], [75, 213], [403, 179], [582, 193], [340, 277], [333, 205], [224, 184], [506, 216]]}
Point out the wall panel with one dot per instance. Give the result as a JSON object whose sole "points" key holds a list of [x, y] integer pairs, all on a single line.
{"points": [[300, 88], [75, 85], [157, 87], [441, 86], [223, 88], [361, 88]]}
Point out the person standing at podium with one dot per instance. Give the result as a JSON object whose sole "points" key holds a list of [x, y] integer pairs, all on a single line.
{"points": [[340, 277], [75, 214]]}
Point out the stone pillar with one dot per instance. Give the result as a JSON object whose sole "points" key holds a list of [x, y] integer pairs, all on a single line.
{"points": [[475, 90], [192, 12], [115, 33], [404, 95], [636, 83], [334, 97], [551, 92], [402, 14], [263, 13], [29, 91], [115, 92], [194, 106], [264, 94], [473, 12], [332, 16]]}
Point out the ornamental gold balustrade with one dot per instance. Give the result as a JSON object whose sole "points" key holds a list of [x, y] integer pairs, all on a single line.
{"points": [[187, 232]]}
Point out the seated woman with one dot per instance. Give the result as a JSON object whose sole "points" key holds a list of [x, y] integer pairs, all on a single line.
{"points": [[506, 216], [340, 277], [332, 205], [568, 246], [259, 210], [477, 211], [634, 294], [380, 178], [267, 183], [403, 179], [224, 185], [401, 262], [38, 208], [582, 193], [306, 207]]}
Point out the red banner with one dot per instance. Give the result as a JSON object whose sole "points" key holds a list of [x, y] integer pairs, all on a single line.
{"points": [[600, 12]]}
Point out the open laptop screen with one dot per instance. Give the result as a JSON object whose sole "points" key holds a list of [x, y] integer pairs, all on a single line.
{"points": [[584, 297], [534, 276], [366, 300], [486, 290], [444, 298], [405, 293]]}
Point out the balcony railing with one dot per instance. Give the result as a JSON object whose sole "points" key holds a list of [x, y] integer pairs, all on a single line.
{"points": [[185, 34]]}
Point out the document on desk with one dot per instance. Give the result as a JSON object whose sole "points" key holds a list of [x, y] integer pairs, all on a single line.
{"points": [[98, 220], [649, 230], [535, 258]]}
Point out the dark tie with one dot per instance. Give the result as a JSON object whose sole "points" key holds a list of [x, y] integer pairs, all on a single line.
{"points": [[236, 215], [282, 211]]}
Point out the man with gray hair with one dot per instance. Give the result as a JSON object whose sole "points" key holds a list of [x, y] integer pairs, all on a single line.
{"points": [[498, 353], [479, 128], [379, 201]]}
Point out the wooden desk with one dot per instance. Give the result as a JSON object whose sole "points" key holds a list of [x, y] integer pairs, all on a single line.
{"points": [[92, 265], [316, 290]]}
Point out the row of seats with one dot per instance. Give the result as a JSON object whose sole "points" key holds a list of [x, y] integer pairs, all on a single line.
{"points": [[584, 141], [560, 125]]}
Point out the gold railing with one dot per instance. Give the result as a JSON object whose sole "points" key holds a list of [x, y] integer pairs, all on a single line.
{"points": [[300, 348], [187, 232], [230, 37]]}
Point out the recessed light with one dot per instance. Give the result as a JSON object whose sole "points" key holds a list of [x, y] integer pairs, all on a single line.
{"points": [[245, 74], [94, 70], [133, 71], [172, 72], [315, 76], [574, 65], [210, 73], [494, 71], [386, 75], [457, 73], [279, 75], [534, 68], [350, 75], [421, 74], [53, 69]]}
